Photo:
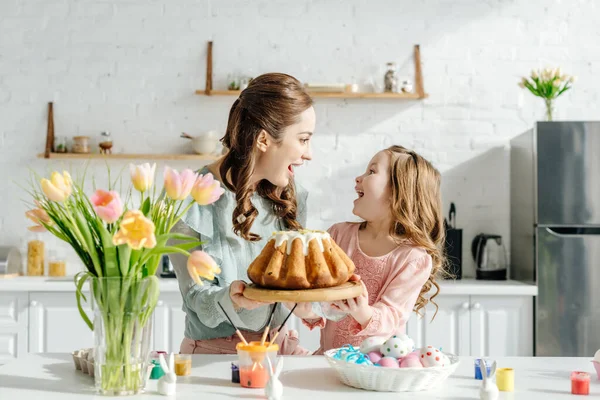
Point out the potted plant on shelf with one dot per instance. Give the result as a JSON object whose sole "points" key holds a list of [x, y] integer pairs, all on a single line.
{"points": [[547, 84], [121, 247]]}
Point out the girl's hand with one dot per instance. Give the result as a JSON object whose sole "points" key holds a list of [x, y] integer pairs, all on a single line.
{"points": [[236, 291], [357, 307]]}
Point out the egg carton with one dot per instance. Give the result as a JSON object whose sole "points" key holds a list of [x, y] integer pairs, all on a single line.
{"points": [[84, 361], [381, 379]]}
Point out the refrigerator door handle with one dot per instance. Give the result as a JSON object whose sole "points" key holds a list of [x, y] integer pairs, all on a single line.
{"points": [[566, 232]]}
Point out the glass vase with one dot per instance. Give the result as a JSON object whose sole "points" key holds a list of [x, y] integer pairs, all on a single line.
{"points": [[549, 109], [123, 309]]}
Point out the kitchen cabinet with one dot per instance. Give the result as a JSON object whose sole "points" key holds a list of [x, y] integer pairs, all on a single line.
{"points": [[13, 325], [169, 323], [475, 324], [491, 326], [55, 325]]}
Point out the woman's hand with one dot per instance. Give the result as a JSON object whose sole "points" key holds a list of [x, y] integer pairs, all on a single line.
{"points": [[236, 291], [303, 310], [357, 307]]}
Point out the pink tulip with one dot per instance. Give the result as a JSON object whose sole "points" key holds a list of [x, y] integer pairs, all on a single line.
{"points": [[200, 264], [206, 190], [179, 186], [108, 205], [38, 216]]}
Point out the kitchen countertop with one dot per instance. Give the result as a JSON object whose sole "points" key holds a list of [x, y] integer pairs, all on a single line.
{"points": [[447, 287], [54, 377]]}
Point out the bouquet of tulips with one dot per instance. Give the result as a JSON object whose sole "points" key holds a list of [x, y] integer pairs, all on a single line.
{"points": [[547, 84], [121, 248]]}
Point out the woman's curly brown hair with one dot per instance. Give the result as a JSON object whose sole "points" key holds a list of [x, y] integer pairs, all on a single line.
{"points": [[417, 212], [271, 102]]}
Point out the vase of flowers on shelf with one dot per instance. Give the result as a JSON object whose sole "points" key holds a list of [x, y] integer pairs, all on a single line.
{"points": [[121, 247], [548, 84]]}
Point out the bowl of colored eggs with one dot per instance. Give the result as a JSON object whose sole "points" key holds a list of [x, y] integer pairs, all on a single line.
{"points": [[391, 365]]}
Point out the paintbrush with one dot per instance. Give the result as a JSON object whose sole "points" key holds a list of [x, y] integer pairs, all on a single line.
{"points": [[237, 331], [266, 332], [283, 324]]}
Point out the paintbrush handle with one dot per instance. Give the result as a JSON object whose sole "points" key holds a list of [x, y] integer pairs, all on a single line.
{"points": [[264, 336], [241, 337], [274, 337]]}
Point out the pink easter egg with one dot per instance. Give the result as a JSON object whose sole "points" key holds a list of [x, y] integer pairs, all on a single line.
{"points": [[374, 356], [389, 362], [411, 361]]}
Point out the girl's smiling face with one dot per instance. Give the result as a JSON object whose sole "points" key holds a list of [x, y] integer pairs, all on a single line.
{"points": [[374, 189]]}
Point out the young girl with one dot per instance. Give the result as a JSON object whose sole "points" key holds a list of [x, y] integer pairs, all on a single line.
{"points": [[397, 250]]}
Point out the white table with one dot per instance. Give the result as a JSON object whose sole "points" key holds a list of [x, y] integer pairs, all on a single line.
{"points": [[54, 377]]}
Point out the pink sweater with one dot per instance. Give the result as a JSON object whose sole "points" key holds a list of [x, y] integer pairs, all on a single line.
{"points": [[394, 282]]}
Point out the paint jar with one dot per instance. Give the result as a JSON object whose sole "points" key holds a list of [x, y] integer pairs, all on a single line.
{"points": [[580, 383], [505, 379], [235, 373], [478, 375], [183, 364], [253, 363]]}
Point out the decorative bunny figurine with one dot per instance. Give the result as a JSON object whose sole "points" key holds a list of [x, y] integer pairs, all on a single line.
{"points": [[274, 387], [488, 390], [167, 382]]}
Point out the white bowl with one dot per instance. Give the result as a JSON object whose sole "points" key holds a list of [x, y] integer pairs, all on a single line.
{"points": [[383, 379], [203, 145]]}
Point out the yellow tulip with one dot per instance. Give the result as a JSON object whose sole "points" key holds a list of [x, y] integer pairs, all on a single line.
{"points": [[142, 176], [136, 230], [200, 264], [59, 187]]}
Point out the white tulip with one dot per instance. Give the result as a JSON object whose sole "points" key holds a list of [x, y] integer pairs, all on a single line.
{"points": [[534, 74], [557, 73], [573, 79]]}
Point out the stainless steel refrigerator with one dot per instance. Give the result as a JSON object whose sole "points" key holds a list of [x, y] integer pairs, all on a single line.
{"points": [[555, 232]]}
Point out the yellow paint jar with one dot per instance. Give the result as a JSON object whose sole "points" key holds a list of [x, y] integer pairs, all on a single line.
{"points": [[505, 379]]}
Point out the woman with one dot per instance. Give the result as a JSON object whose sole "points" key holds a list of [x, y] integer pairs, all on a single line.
{"points": [[268, 135]]}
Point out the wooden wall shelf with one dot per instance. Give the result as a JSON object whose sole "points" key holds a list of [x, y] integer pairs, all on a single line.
{"points": [[330, 95], [418, 94], [97, 156]]}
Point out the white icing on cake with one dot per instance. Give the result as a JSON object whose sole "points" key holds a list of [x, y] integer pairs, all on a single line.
{"points": [[305, 235]]}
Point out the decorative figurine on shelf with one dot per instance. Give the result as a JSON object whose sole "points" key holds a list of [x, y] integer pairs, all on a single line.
{"points": [[167, 383], [274, 387], [488, 390], [233, 82], [105, 143], [390, 81], [407, 87]]}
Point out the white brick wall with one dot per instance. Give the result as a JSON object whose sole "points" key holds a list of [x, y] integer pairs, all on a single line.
{"points": [[131, 67]]}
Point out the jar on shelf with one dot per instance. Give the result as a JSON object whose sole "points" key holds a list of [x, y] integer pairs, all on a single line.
{"points": [[57, 265], [60, 144], [81, 144], [105, 143], [35, 256], [390, 80]]}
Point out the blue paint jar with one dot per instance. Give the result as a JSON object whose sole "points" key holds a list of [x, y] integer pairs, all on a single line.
{"points": [[478, 375]]}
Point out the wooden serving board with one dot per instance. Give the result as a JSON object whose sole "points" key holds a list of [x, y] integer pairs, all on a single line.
{"points": [[344, 291]]}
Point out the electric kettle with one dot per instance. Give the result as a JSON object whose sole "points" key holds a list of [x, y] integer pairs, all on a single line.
{"points": [[490, 257]]}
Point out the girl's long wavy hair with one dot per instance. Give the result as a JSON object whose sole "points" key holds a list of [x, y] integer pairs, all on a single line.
{"points": [[271, 102], [417, 212]]}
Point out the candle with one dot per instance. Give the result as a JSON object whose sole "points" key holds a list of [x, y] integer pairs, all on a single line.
{"points": [[580, 382], [505, 379], [254, 378]]}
